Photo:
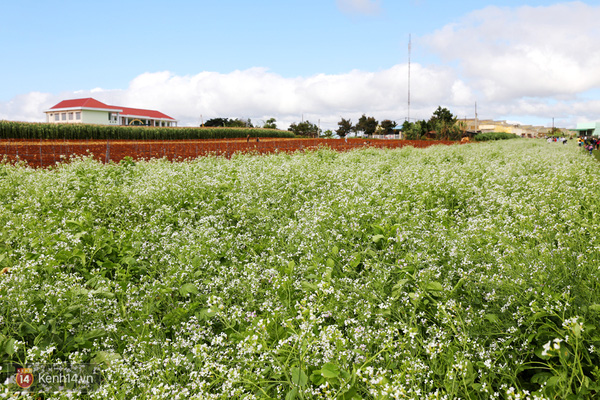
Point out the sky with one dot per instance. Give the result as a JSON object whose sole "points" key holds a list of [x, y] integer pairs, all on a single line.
{"points": [[535, 62]]}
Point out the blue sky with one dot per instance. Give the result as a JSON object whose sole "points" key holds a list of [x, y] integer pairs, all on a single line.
{"points": [[320, 60]]}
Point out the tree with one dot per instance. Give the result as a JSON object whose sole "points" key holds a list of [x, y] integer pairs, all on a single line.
{"points": [[408, 130], [327, 134], [443, 123], [366, 125], [415, 130], [305, 128], [556, 132], [344, 127], [270, 124], [421, 129], [239, 123], [388, 126], [443, 115], [216, 122]]}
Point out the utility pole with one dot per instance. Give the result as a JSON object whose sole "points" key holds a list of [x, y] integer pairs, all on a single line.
{"points": [[409, 49], [476, 119]]}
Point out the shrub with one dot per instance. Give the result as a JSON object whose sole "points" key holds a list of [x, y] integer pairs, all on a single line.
{"points": [[483, 137]]}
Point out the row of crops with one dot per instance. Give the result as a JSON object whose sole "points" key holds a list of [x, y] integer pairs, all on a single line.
{"points": [[27, 130], [450, 272]]}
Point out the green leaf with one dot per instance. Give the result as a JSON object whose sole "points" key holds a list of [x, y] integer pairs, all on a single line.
{"points": [[78, 253], [377, 238], [309, 287], [434, 287], [330, 370], [103, 293], [355, 260], [316, 378], [330, 263], [72, 224], [414, 296], [594, 307], [187, 289], [10, 347], [458, 284], [207, 313], [351, 394], [553, 381], [94, 334], [493, 318], [290, 267], [299, 377], [105, 357], [397, 289], [540, 377], [196, 262], [335, 250], [291, 395]]}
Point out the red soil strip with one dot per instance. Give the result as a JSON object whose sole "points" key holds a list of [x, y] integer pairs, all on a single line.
{"points": [[44, 153]]}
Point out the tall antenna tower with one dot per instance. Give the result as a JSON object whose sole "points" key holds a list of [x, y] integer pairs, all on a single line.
{"points": [[409, 49]]}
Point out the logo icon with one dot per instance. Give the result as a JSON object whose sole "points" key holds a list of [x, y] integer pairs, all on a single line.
{"points": [[24, 377]]}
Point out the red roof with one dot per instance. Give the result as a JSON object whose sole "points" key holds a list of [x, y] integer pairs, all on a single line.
{"points": [[125, 111], [76, 103]]}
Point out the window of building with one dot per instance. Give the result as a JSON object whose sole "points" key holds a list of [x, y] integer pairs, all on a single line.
{"points": [[78, 115], [70, 116], [56, 117], [63, 116]]}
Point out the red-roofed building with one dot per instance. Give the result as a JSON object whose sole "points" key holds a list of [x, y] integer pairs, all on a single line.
{"points": [[92, 111]]}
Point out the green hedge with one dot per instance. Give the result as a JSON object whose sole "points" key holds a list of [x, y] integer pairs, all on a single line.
{"points": [[482, 137], [28, 130]]}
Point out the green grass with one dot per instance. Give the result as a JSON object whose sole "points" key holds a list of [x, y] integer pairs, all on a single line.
{"points": [[449, 272]]}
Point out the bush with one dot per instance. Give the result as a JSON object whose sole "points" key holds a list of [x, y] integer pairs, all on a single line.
{"points": [[483, 137]]}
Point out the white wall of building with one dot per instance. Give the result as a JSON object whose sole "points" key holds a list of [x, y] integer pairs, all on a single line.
{"points": [[95, 117]]}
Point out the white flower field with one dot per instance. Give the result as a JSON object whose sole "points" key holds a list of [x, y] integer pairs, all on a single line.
{"points": [[451, 272]]}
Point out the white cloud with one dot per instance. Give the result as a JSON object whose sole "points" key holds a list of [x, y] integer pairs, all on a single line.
{"points": [[508, 53], [368, 7], [26, 107], [260, 94]]}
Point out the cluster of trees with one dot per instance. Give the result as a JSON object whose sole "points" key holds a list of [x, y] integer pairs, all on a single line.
{"points": [[441, 125], [305, 128], [366, 126], [271, 123]]}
